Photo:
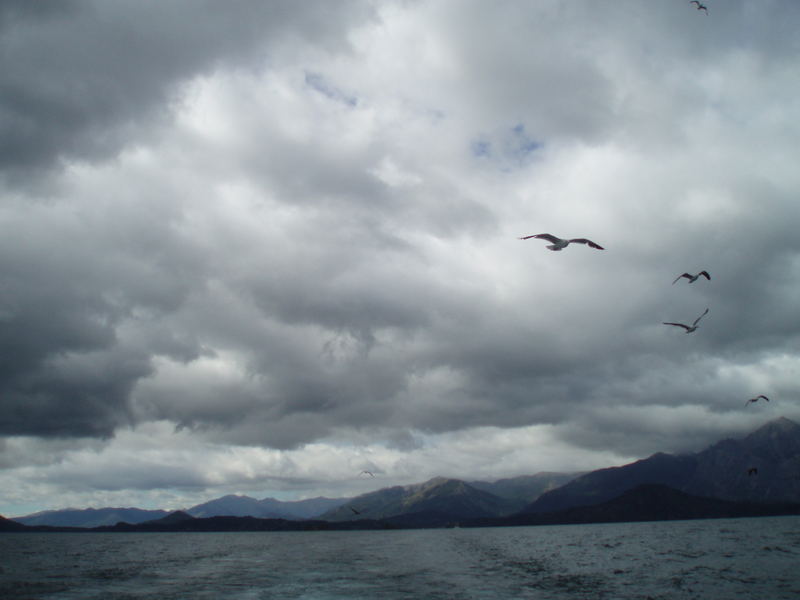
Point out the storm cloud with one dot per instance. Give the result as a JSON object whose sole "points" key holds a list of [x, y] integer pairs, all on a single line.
{"points": [[286, 237]]}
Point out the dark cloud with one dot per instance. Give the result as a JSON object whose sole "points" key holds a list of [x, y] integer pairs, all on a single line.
{"points": [[83, 79], [286, 226]]}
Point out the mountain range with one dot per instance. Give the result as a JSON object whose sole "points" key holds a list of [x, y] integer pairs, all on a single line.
{"points": [[757, 474]]}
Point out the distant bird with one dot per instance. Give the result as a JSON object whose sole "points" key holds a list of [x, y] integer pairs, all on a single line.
{"points": [[355, 512], [699, 6], [689, 329], [752, 471], [756, 399], [693, 278], [367, 473], [559, 244]]}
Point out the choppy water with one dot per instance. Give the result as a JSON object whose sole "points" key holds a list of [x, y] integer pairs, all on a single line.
{"points": [[738, 558]]}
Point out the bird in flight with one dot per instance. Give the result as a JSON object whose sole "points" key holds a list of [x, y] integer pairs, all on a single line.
{"points": [[693, 278], [559, 244], [370, 473], [752, 471], [698, 5], [693, 326], [355, 512], [756, 399]]}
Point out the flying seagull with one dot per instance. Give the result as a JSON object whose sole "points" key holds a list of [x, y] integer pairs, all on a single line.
{"points": [[699, 6], [687, 327], [355, 512], [559, 244], [752, 471], [693, 278], [756, 399], [370, 473]]}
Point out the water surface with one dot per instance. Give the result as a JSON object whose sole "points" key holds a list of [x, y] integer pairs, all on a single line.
{"points": [[719, 558]]}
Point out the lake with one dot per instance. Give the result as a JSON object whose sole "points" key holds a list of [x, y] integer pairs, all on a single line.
{"points": [[709, 559]]}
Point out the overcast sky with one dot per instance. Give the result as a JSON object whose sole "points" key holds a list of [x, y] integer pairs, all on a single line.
{"points": [[259, 247]]}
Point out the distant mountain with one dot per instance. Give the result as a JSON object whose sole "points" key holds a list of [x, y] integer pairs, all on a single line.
{"points": [[724, 470], [452, 499], [525, 488], [649, 502], [237, 506], [268, 508], [9, 525], [90, 517]]}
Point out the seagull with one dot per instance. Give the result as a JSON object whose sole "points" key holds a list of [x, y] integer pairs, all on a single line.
{"points": [[752, 471], [699, 6], [687, 327], [367, 473], [756, 399], [693, 278], [559, 244], [355, 512]]}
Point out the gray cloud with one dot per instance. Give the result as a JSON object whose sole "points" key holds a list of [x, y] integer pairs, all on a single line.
{"points": [[84, 79], [289, 226]]}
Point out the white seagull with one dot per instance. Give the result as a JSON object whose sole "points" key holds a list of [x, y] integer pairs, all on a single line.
{"points": [[756, 399], [687, 327], [693, 278], [559, 244]]}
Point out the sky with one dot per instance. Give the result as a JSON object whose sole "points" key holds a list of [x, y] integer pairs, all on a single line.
{"points": [[258, 247]]}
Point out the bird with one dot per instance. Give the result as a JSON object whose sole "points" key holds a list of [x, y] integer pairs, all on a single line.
{"points": [[689, 329], [355, 512], [559, 244], [752, 471], [756, 399], [699, 6], [367, 473], [693, 278]]}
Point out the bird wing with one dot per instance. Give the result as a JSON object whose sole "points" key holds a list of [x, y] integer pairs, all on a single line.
{"points": [[546, 236], [686, 327], [704, 274], [697, 320], [764, 397], [694, 2], [585, 241], [679, 276]]}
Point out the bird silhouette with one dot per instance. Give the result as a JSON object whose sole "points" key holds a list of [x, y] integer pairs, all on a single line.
{"points": [[692, 327], [699, 6], [367, 473], [355, 512], [693, 278], [756, 399], [559, 244], [752, 471]]}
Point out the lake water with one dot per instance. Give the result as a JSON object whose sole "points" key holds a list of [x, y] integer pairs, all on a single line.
{"points": [[709, 559]]}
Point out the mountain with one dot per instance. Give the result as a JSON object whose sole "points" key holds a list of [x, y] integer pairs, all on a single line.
{"points": [[9, 525], [90, 517], [440, 497], [525, 488], [720, 471], [648, 502], [268, 508]]}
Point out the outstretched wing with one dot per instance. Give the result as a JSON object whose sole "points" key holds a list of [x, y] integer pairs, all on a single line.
{"points": [[585, 241], [697, 320], [704, 274], [764, 397], [543, 236], [686, 327], [679, 276], [694, 2]]}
